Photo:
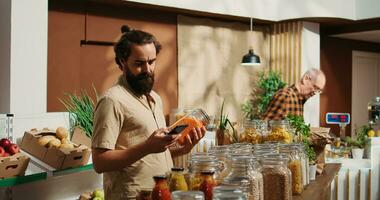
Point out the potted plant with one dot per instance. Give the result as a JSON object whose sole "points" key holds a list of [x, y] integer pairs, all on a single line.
{"points": [[262, 94], [357, 145], [81, 112], [225, 127]]}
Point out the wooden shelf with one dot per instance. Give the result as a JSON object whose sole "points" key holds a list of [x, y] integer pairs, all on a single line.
{"points": [[320, 187]]}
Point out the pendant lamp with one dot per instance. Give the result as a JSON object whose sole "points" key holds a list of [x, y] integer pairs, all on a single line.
{"points": [[250, 59]]}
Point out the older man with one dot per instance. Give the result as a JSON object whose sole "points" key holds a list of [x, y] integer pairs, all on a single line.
{"points": [[290, 100]]}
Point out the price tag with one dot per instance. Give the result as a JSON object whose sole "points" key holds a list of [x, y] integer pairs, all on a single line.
{"points": [[338, 118]]}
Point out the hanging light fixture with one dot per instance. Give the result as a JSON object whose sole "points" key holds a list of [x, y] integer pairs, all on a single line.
{"points": [[250, 59]]}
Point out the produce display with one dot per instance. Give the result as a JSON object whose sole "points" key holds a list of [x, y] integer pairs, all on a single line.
{"points": [[97, 194], [7, 148], [59, 139]]}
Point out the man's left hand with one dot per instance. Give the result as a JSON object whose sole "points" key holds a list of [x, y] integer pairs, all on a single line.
{"points": [[191, 140]]}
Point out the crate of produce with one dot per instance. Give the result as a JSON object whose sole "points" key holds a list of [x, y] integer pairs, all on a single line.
{"points": [[54, 148]]}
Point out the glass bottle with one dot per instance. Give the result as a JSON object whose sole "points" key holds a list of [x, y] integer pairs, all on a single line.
{"points": [[207, 184], [188, 195], [279, 132], [199, 164], [245, 173], [161, 189], [10, 127], [177, 179], [277, 178]]}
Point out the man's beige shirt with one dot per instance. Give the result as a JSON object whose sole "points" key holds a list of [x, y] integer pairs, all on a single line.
{"points": [[122, 120]]}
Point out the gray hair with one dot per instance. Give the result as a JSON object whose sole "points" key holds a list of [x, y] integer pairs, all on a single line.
{"points": [[313, 73]]}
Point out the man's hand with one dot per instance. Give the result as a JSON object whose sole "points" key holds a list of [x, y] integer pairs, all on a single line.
{"points": [[159, 141], [191, 140]]}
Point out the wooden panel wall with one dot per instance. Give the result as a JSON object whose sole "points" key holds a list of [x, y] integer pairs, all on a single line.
{"points": [[336, 62], [72, 67], [286, 50]]}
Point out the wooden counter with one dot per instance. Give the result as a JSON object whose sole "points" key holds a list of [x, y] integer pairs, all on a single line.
{"points": [[319, 189]]}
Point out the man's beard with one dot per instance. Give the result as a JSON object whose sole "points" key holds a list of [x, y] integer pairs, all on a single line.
{"points": [[140, 84]]}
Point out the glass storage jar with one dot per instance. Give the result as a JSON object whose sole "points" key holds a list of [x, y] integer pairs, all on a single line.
{"points": [[177, 180], [253, 131], [199, 164], [245, 172], [295, 166], [207, 184], [279, 132], [277, 178], [228, 192], [188, 195], [161, 189], [194, 118]]}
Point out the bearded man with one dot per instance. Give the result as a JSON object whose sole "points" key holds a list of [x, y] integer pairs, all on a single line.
{"points": [[130, 141]]}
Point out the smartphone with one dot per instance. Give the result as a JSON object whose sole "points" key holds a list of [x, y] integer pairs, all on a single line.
{"points": [[178, 129]]}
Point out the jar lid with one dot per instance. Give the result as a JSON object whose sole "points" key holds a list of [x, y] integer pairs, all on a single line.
{"points": [[207, 172], [159, 177], [178, 169]]}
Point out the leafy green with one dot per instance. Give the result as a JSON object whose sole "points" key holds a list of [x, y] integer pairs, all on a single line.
{"points": [[298, 123], [309, 151], [361, 137], [81, 110], [303, 130], [224, 122], [261, 96]]}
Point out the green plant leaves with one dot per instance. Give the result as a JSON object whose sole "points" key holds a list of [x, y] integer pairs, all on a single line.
{"points": [[81, 110], [267, 86]]}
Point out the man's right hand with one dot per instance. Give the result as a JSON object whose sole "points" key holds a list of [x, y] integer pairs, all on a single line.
{"points": [[159, 141]]}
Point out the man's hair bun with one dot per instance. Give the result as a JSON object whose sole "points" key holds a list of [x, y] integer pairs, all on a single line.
{"points": [[125, 29]]}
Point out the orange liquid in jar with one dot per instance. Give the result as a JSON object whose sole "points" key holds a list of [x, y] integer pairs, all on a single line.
{"points": [[192, 123]]}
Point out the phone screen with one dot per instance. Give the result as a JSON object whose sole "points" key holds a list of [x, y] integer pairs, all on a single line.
{"points": [[178, 129]]}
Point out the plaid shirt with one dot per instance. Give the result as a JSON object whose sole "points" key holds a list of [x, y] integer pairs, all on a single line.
{"points": [[286, 101]]}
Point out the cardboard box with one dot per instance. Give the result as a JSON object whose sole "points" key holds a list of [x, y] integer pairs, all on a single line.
{"points": [[80, 137], [55, 157], [14, 165]]}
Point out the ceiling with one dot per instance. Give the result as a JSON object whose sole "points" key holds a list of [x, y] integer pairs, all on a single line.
{"points": [[368, 36]]}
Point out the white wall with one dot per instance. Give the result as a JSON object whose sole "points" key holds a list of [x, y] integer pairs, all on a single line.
{"points": [[28, 73], [310, 58], [273, 10], [366, 9], [5, 55]]}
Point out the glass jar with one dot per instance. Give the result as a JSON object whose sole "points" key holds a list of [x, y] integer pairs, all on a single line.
{"points": [[228, 192], [277, 178], [374, 110], [194, 118], [295, 167], [177, 180], [188, 195], [207, 184], [245, 172], [253, 131], [161, 189], [279, 132], [221, 155], [199, 164]]}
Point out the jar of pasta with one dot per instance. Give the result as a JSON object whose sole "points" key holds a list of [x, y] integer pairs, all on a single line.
{"points": [[279, 132], [295, 166], [253, 131]]}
